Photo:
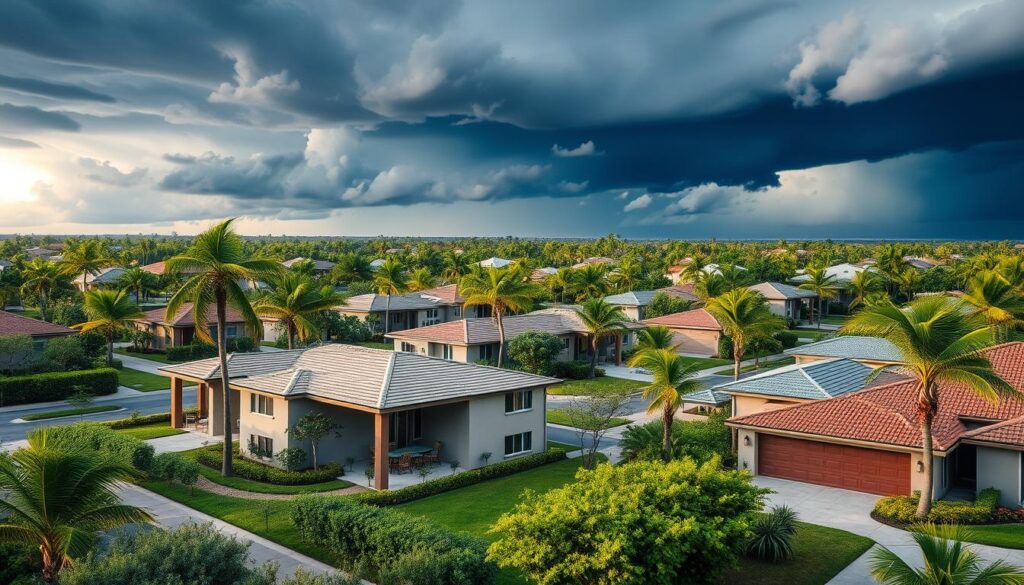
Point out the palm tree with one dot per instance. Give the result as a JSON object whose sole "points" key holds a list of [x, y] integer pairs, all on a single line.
{"points": [[947, 560], [390, 279], [502, 289], [992, 297], [822, 284], [862, 286], [562, 281], [590, 282], [41, 277], [907, 282], [939, 341], [671, 379], [421, 279], [110, 313], [693, 271], [58, 496], [1011, 269], [744, 316], [709, 285], [455, 266], [351, 267], [86, 258], [292, 300], [657, 337], [216, 261], [627, 275], [733, 275], [138, 281], [600, 319]]}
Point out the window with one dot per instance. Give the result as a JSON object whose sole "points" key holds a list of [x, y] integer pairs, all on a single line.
{"points": [[232, 331], [456, 311], [487, 352], [261, 404], [264, 445], [430, 317], [483, 310], [566, 341], [518, 443], [518, 401], [396, 317], [446, 351], [408, 347]]}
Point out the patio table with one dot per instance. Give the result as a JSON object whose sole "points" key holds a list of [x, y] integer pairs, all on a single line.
{"points": [[413, 450]]}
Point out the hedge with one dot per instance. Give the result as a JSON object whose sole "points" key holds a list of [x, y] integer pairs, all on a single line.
{"points": [[902, 509], [458, 480], [212, 457], [138, 421], [197, 351], [51, 386], [102, 438], [402, 548], [576, 370]]}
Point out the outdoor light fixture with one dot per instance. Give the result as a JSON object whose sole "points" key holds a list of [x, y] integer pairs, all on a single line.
{"points": [[746, 440], [920, 466]]}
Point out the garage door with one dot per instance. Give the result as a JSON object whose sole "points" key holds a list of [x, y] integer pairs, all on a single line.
{"points": [[853, 468]]}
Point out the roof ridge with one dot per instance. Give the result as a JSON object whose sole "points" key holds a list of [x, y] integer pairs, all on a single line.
{"points": [[386, 382], [1003, 423], [298, 373], [814, 382], [465, 331]]}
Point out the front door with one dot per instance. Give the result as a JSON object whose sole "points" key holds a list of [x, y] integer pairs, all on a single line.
{"points": [[406, 428], [965, 467]]}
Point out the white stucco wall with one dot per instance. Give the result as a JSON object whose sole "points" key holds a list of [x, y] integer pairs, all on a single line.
{"points": [[1000, 468], [488, 426]]}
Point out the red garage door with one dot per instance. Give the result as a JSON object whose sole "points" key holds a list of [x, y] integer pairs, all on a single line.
{"points": [[853, 468]]}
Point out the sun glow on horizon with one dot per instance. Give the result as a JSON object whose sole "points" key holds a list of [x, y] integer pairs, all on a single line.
{"points": [[18, 181]]}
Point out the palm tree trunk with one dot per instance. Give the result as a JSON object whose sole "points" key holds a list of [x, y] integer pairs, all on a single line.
{"points": [[593, 356], [737, 357], [225, 468], [110, 348], [42, 305], [819, 312], [291, 336], [924, 504], [501, 336], [387, 314], [666, 433]]}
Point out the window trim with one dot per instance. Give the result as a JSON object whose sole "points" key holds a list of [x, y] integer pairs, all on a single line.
{"points": [[254, 405], [523, 440], [521, 394]]}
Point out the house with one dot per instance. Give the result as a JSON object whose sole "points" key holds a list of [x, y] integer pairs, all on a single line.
{"points": [[873, 351], [39, 331], [921, 263], [375, 264], [683, 290], [181, 330], [494, 262], [406, 311], [105, 277], [472, 340], [320, 267], [695, 331], [785, 300], [540, 274], [383, 401], [675, 272], [716, 269], [842, 273], [634, 302], [870, 440], [594, 261], [454, 304]]}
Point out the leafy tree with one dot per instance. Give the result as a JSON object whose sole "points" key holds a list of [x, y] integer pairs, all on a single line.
{"points": [[938, 342], [864, 284], [41, 279], [421, 279], [57, 496], [822, 284], [657, 337], [947, 559], [88, 257], [671, 378], [215, 262], [744, 316], [600, 319], [535, 350], [664, 304], [139, 282], [314, 427], [592, 416], [294, 300], [16, 352], [65, 354], [68, 313], [501, 289], [390, 279], [654, 523], [991, 297], [110, 313]]}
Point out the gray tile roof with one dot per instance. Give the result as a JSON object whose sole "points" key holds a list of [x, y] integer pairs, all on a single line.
{"points": [[374, 302], [854, 347], [632, 298], [556, 321], [813, 381], [707, 396], [776, 291], [363, 376]]}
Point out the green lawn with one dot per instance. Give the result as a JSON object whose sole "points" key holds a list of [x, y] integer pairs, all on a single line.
{"points": [[815, 334], [71, 412], [820, 553], [762, 366], [151, 431], [142, 381], [156, 357], [564, 446], [1001, 535], [598, 385], [376, 344], [834, 319], [559, 417], [705, 363]]}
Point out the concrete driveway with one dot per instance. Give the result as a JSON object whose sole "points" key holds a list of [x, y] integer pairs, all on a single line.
{"points": [[851, 511]]}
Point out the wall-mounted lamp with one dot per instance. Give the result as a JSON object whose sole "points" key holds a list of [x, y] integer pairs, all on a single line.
{"points": [[920, 466], [746, 440], [745, 466]]}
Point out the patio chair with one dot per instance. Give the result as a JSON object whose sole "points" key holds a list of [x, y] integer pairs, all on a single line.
{"points": [[191, 419], [435, 455], [403, 464]]}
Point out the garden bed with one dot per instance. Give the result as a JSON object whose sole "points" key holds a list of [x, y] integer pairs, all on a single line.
{"points": [[212, 457]]}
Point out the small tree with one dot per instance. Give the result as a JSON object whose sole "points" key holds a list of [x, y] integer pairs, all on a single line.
{"points": [[592, 416], [186, 472], [664, 304], [79, 399], [64, 354], [291, 458], [535, 350], [313, 427], [368, 472], [15, 353]]}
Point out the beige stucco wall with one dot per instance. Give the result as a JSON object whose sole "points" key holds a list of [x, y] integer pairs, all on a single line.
{"points": [[216, 416], [1000, 469], [633, 312], [488, 426], [254, 423], [744, 405], [697, 341]]}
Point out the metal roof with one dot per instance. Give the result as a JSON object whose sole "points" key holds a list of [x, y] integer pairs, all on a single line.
{"points": [[813, 381], [854, 347], [776, 291]]}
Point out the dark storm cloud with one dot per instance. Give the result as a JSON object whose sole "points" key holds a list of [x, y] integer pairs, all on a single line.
{"points": [[54, 90], [254, 178], [27, 118]]}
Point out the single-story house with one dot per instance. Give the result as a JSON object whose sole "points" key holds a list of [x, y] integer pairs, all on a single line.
{"points": [[540, 274], [633, 302], [716, 269], [785, 300], [695, 331], [870, 440], [471, 340], [181, 330], [320, 267], [494, 262], [383, 400], [873, 351], [675, 272], [921, 263], [843, 273], [39, 331], [104, 277]]}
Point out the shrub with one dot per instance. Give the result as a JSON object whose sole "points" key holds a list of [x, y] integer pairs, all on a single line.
{"points": [[663, 304], [902, 509], [304, 577], [700, 440], [403, 548], [246, 468], [1008, 515], [788, 339], [725, 347], [535, 350], [198, 351], [291, 458], [643, 522], [67, 314], [576, 370], [773, 535], [18, 561], [16, 353], [138, 453], [136, 420], [50, 386], [64, 354], [458, 480]]}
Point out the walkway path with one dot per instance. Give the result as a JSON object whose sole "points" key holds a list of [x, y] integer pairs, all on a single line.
{"points": [[224, 490], [138, 363]]}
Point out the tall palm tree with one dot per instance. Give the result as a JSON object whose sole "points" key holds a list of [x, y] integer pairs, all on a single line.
{"points": [[600, 319], [744, 316], [502, 289], [421, 279], [561, 281], [351, 267], [138, 281], [671, 379], [627, 275], [939, 341], [999, 302], [709, 285], [947, 561], [1011, 269], [657, 337], [693, 271], [58, 496], [590, 282], [908, 282], [455, 266], [862, 286], [41, 278], [390, 279], [733, 275], [822, 284], [109, 312], [88, 257], [215, 262], [292, 300]]}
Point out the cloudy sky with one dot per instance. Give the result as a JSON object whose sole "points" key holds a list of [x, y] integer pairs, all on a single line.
{"points": [[728, 118]]}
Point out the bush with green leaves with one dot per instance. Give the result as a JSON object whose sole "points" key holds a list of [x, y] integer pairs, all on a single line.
{"points": [[67, 313], [402, 548], [17, 353], [535, 351], [198, 351], [175, 467], [576, 370], [50, 386], [19, 561], [903, 509], [65, 354], [700, 440], [664, 304], [248, 469], [135, 452], [138, 420], [304, 577], [642, 522], [292, 458], [773, 535]]}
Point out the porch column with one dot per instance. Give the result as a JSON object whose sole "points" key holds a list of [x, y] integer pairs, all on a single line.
{"points": [[202, 399], [177, 420], [380, 450], [618, 349]]}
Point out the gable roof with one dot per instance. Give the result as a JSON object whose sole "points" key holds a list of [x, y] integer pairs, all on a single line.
{"points": [[776, 291], [683, 290], [692, 319], [185, 317], [373, 378], [813, 381], [373, 302], [855, 347], [1009, 433], [707, 396], [448, 293], [888, 414], [106, 275], [317, 264], [12, 324], [633, 298]]}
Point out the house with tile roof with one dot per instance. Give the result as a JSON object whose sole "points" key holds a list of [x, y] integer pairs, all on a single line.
{"points": [[409, 311], [785, 300], [320, 267], [694, 332], [40, 331], [870, 440], [682, 290], [103, 278], [873, 351], [181, 328], [389, 404], [634, 303]]}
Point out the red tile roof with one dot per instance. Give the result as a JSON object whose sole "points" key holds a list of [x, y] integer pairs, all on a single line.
{"points": [[155, 268], [11, 324], [888, 414], [1010, 432], [185, 318], [693, 319], [682, 290], [448, 293]]}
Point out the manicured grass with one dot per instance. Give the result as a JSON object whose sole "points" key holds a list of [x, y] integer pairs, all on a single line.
{"points": [[142, 381], [820, 553], [815, 334], [1001, 535], [155, 357], [71, 412], [563, 446], [559, 417], [761, 367], [600, 385], [151, 431], [833, 319], [376, 345], [705, 363]]}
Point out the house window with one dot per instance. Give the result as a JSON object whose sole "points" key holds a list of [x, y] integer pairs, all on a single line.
{"points": [[483, 310], [518, 401], [518, 443], [566, 341], [446, 351], [38, 345], [456, 311], [408, 347], [264, 446], [405, 427], [487, 352], [261, 404], [430, 317], [232, 331], [396, 318], [625, 339]]}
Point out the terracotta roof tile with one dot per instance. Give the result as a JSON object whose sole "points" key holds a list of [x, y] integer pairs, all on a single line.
{"points": [[11, 324], [185, 318], [448, 293], [693, 319]]}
